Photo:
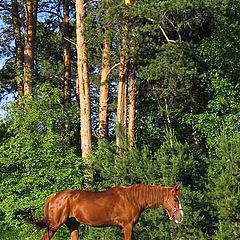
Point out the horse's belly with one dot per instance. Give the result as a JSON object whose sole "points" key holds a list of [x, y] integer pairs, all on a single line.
{"points": [[94, 214]]}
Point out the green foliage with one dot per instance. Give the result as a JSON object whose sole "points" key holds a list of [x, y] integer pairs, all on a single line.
{"points": [[35, 159], [187, 91], [170, 89], [223, 187], [170, 164], [220, 78], [210, 187]]}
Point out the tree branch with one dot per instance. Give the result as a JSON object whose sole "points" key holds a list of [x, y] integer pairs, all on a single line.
{"points": [[179, 36], [114, 66], [51, 13], [91, 1], [163, 31], [5, 7], [70, 40], [165, 35]]}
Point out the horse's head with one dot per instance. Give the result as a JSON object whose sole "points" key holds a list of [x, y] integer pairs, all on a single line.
{"points": [[173, 206]]}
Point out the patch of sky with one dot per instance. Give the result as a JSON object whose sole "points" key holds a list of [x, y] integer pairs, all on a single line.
{"points": [[5, 98]]}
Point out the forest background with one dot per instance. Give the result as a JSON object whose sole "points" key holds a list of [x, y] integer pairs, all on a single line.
{"points": [[114, 92]]}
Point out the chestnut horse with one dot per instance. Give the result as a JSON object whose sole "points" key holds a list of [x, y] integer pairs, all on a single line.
{"points": [[118, 206]]}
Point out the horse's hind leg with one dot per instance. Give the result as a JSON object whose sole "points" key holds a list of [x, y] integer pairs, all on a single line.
{"points": [[48, 234], [73, 225]]}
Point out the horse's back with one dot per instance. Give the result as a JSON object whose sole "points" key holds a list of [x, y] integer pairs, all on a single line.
{"points": [[99, 198], [73, 200]]}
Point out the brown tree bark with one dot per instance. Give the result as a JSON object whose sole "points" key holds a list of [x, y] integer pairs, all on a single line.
{"points": [[66, 61], [18, 49], [122, 91], [83, 82], [125, 115], [132, 107], [104, 87], [29, 45], [66, 54], [132, 91]]}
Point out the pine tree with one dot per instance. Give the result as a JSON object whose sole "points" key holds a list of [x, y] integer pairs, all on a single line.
{"points": [[17, 24], [83, 82], [29, 44], [104, 87]]}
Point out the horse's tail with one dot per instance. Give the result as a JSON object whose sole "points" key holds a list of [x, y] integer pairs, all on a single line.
{"points": [[42, 223]]}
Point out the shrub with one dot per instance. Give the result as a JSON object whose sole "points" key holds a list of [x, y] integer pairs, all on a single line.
{"points": [[35, 160]]}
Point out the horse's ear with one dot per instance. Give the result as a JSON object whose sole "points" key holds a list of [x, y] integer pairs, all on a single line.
{"points": [[177, 187]]}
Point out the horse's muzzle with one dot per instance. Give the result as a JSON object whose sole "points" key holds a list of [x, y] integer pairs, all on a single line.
{"points": [[178, 221]]}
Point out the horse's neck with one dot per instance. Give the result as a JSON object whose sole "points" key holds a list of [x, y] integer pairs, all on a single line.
{"points": [[150, 196]]}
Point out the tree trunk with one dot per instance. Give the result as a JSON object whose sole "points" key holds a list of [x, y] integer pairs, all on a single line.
{"points": [[18, 50], [104, 88], [122, 111], [66, 60], [66, 54], [83, 82], [132, 91], [122, 87], [29, 47], [122, 92], [132, 103]]}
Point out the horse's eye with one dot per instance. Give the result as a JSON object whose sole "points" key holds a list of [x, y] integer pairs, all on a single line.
{"points": [[174, 209]]}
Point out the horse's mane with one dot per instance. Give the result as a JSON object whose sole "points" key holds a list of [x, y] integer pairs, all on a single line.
{"points": [[149, 196]]}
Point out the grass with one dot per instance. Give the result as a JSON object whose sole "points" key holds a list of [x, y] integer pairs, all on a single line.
{"points": [[31, 234]]}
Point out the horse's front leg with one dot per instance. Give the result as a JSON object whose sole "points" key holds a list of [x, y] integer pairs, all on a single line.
{"points": [[73, 225], [74, 234], [127, 230]]}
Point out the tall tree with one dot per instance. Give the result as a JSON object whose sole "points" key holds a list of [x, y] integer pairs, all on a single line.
{"points": [[18, 48], [104, 87], [122, 110], [66, 58], [66, 54], [83, 82], [132, 88], [29, 45], [122, 87], [132, 103]]}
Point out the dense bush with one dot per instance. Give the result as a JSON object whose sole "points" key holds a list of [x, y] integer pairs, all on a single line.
{"points": [[170, 164], [223, 187], [36, 159]]}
